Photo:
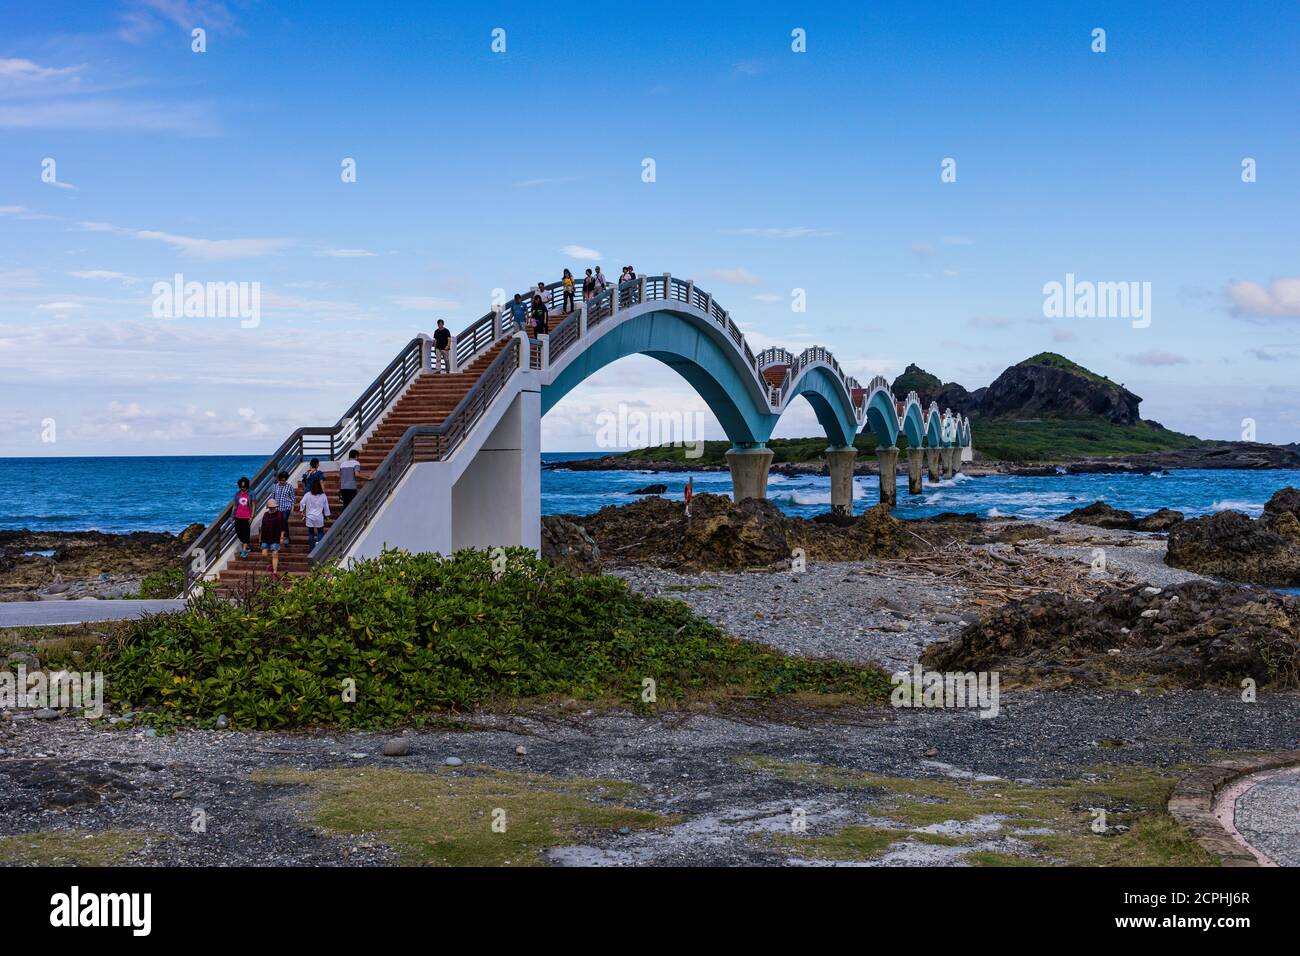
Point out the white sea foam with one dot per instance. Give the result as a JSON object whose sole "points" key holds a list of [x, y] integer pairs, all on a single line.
{"points": [[1232, 504]]}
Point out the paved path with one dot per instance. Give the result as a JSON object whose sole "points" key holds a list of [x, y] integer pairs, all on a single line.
{"points": [[37, 613], [1267, 815]]}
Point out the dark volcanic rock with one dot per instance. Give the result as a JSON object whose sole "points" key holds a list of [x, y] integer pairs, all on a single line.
{"points": [[649, 490], [1284, 501], [567, 545], [1197, 634], [1050, 385], [726, 534], [1161, 520], [1100, 515], [1231, 545]]}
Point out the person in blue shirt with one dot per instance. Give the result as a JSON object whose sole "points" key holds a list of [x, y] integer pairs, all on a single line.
{"points": [[519, 312]]}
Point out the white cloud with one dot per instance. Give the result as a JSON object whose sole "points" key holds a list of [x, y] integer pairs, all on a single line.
{"points": [[544, 181], [779, 232], [346, 253], [736, 276], [213, 249], [582, 252], [1157, 357], [1281, 300], [103, 274], [768, 297], [425, 303]]}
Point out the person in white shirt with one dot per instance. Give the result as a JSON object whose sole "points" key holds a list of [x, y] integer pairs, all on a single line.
{"points": [[315, 508]]}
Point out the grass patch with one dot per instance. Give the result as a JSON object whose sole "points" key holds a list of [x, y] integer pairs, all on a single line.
{"points": [[71, 847], [996, 439], [420, 637], [446, 818], [1139, 831]]}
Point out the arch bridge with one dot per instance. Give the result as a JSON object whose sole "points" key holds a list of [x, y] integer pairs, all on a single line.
{"points": [[455, 452]]}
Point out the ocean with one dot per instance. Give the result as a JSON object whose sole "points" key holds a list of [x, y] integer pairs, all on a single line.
{"points": [[168, 493]]}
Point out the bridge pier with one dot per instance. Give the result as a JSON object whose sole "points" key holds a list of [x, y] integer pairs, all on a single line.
{"points": [[914, 470], [945, 462], [932, 464], [888, 461], [956, 460], [748, 471], [840, 462]]}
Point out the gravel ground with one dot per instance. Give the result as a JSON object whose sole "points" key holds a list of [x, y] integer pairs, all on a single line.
{"points": [[1267, 815], [71, 774], [829, 610], [1132, 553]]}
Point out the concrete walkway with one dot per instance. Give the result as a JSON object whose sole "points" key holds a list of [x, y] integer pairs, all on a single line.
{"points": [[40, 613], [1265, 815]]}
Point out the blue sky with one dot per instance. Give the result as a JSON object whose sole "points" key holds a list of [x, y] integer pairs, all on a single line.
{"points": [[775, 170]]}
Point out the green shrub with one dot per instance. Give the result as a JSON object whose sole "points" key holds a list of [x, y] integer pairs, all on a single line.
{"points": [[167, 583], [420, 636]]}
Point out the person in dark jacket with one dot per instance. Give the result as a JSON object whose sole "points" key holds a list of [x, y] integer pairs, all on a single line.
{"points": [[273, 527]]}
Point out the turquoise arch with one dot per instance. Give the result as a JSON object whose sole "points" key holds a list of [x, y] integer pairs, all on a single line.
{"points": [[914, 426], [714, 369]]}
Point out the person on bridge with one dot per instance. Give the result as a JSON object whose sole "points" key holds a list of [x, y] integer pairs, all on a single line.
{"points": [[519, 312], [315, 507], [442, 347], [545, 295], [588, 286], [349, 472], [628, 275], [599, 278], [274, 525], [243, 504], [314, 474], [568, 291], [539, 316], [283, 494]]}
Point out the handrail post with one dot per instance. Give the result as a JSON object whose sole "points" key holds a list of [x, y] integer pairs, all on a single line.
{"points": [[613, 300], [668, 286], [690, 291], [426, 352], [708, 303], [496, 322], [582, 320], [641, 288], [453, 363], [545, 339]]}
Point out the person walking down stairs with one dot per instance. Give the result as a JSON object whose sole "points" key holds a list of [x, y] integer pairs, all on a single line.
{"points": [[442, 347], [315, 507], [243, 516], [285, 498], [274, 525]]}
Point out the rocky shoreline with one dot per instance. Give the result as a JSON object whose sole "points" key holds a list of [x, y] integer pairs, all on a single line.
{"points": [[67, 565], [1247, 456]]}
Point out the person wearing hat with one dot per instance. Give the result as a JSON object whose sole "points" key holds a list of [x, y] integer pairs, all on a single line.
{"points": [[273, 526]]}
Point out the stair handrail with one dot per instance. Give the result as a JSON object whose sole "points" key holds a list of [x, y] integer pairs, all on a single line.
{"points": [[329, 443], [419, 443]]}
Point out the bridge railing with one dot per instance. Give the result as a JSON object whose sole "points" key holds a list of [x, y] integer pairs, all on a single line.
{"points": [[328, 443], [419, 443]]}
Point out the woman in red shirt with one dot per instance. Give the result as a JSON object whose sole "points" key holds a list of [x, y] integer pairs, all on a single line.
{"points": [[243, 516]]}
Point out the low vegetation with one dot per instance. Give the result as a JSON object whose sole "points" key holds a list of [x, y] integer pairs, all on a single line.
{"points": [[1027, 824], [996, 439], [473, 816], [71, 847], [403, 638]]}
